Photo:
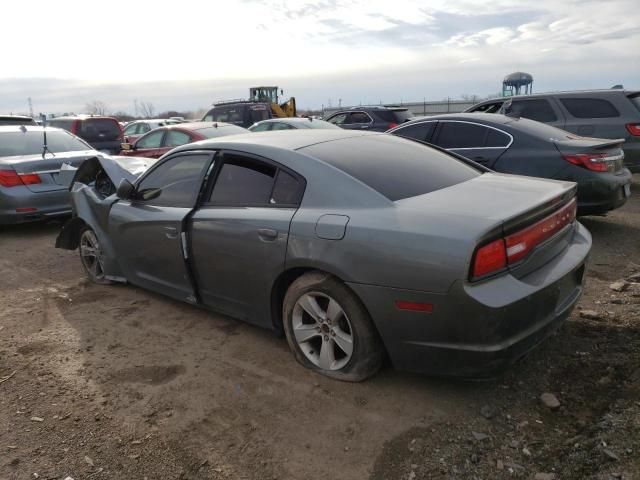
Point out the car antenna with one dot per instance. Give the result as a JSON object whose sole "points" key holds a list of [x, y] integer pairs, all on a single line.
{"points": [[45, 147]]}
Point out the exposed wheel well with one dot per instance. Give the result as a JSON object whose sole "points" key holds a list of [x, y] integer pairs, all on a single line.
{"points": [[279, 291], [69, 237]]}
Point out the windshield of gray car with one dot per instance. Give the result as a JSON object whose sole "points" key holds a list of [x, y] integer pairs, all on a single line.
{"points": [[31, 142], [396, 167]]}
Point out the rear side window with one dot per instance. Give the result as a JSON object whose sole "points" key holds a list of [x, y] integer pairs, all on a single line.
{"points": [[174, 183], [359, 117], [590, 107], [417, 131], [287, 190], [243, 181], [99, 129], [496, 139], [396, 167], [538, 109], [338, 119], [635, 99], [461, 135], [246, 181]]}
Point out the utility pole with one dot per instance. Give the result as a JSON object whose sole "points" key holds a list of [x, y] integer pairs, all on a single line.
{"points": [[30, 107]]}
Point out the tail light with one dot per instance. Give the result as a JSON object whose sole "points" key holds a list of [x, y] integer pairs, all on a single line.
{"points": [[634, 129], [392, 125], [498, 254], [11, 178], [590, 161]]}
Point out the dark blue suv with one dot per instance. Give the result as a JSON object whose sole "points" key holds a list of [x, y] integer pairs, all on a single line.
{"points": [[376, 118]]}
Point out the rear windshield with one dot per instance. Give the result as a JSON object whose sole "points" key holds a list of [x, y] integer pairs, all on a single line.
{"points": [[259, 113], [395, 116], [396, 167], [31, 143], [66, 124], [212, 132], [99, 129], [17, 121]]}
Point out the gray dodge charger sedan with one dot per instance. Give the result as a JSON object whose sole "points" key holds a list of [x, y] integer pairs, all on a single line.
{"points": [[358, 246]]}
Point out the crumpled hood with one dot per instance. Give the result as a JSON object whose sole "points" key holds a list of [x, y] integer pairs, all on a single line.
{"points": [[117, 167]]}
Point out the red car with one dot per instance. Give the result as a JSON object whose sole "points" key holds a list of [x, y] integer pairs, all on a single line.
{"points": [[159, 141]]}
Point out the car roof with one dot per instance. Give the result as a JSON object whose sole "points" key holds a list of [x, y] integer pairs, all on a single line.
{"points": [[82, 117], [372, 107], [290, 119], [198, 125], [283, 139], [602, 91], [471, 116], [28, 128]]}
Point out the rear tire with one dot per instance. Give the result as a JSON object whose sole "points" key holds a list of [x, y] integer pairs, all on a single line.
{"points": [[329, 330], [91, 256]]}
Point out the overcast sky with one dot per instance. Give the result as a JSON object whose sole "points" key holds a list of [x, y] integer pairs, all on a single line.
{"points": [[186, 54]]}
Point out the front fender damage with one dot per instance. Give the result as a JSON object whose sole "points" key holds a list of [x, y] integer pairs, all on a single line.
{"points": [[91, 202]]}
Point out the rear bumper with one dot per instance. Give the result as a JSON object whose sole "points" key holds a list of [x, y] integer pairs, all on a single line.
{"points": [[600, 193], [477, 330], [46, 205]]}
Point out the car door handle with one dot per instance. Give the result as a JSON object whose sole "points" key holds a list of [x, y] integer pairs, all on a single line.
{"points": [[171, 232], [268, 234]]}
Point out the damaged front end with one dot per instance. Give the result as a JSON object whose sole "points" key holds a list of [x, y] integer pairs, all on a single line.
{"points": [[93, 192]]}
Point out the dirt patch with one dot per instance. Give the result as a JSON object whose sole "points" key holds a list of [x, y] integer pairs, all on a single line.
{"points": [[153, 375]]}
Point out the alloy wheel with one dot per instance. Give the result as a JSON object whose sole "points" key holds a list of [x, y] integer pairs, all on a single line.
{"points": [[322, 331]]}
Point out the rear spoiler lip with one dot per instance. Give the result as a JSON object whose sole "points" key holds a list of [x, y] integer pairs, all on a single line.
{"points": [[602, 142], [539, 212], [515, 224]]}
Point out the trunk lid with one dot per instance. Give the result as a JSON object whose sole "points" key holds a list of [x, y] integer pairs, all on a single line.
{"points": [[612, 150], [48, 168], [496, 205]]}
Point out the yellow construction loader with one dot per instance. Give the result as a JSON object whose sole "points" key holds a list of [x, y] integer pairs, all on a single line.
{"points": [[270, 95]]}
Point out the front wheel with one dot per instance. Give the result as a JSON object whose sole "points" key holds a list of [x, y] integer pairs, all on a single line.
{"points": [[329, 330], [92, 257]]}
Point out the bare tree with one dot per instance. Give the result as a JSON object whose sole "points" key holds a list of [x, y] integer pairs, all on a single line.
{"points": [[147, 110], [96, 107]]}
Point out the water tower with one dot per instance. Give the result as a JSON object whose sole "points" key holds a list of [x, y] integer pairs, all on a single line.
{"points": [[517, 83]]}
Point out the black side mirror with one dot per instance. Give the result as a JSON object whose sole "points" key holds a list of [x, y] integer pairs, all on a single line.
{"points": [[125, 189]]}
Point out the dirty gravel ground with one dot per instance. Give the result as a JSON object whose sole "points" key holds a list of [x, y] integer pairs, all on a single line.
{"points": [[117, 382]]}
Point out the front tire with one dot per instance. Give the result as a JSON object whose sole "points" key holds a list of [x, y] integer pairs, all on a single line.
{"points": [[329, 330], [92, 257]]}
